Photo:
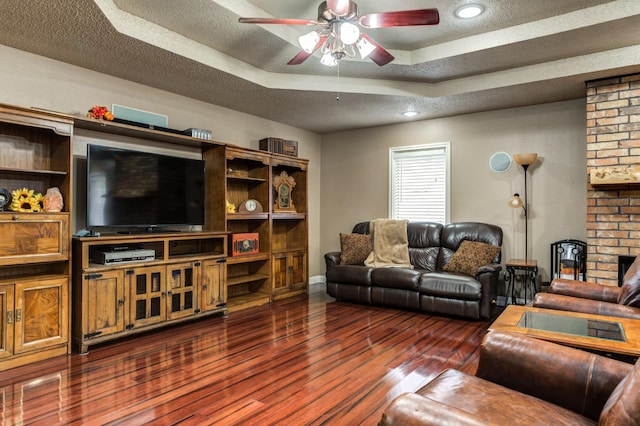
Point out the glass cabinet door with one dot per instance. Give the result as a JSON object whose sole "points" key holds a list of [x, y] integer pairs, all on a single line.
{"points": [[148, 295], [181, 294]]}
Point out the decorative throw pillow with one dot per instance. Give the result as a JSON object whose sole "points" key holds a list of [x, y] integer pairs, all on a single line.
{"points": [[470, 256], [354, 248]]}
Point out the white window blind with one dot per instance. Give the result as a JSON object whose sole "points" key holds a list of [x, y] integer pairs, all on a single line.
{"points": [[419, 182]]}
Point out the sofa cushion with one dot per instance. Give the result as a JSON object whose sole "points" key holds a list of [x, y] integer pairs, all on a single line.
{"points": [[401, 278], [450, 285], [354, 248], [630, 290], [350, 274], [470, 256]]}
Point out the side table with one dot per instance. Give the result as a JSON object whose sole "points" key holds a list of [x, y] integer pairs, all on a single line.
{"points": [[530, 269]]}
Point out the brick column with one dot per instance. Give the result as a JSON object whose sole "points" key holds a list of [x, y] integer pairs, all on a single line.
{"points": [[613, 138]]}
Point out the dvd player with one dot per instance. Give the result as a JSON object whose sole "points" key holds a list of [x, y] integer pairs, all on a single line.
{"points": [[120, 256]]}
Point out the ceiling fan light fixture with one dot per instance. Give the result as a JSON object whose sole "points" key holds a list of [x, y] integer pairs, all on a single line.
{"points": [[309, 41], [349, 33], [329, 60], [469, 11]]}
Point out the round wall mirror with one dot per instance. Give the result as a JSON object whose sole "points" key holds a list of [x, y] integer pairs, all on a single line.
{"points": [[500, 162]]}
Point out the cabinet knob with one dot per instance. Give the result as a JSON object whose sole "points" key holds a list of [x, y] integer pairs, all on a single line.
{"points": [[204, 286], [120, 301], [15, 217]]}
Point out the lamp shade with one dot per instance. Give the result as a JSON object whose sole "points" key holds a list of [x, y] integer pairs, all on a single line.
{"points": [[525, 159], [515, 201], [309, 41]]}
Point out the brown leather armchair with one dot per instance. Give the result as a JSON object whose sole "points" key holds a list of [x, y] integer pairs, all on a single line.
{"points": [[521, 380], [592, 298]]}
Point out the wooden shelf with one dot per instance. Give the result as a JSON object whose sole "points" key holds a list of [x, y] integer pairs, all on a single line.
{"points": [[139, 132], [246, 279], [247, 216], [247, 300]]}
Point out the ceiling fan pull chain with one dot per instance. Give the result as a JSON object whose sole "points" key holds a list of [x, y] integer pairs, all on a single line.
{"points": [[338, 88]]}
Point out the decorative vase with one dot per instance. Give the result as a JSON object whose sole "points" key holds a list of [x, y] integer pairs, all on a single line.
{"points": [[53, 200]]}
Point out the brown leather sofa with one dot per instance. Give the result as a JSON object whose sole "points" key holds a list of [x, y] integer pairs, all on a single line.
{"points": [[525, 381], [592, 298], [427, 287]]}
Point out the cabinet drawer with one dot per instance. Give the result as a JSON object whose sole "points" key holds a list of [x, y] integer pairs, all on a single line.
{"points": [[33, 237]]}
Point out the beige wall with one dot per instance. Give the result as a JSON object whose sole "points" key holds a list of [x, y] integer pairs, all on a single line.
{"points": [[34, 81], [354, 183]]}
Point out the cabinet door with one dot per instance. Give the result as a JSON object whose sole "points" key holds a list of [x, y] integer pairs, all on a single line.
{"points": [[213, 292], [103, 304], [182, 281], [41, 313], [280, 274], [148, 292], [6, 321], [297, 268]]}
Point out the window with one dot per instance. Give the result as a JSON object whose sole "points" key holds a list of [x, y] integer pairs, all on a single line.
{"points": [[419, 182]]}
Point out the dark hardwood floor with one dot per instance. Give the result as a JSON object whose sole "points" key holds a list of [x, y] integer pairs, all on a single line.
{"points": [[307, 360]]}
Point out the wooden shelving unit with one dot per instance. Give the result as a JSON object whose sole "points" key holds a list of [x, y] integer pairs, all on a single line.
{"points": [[35, 153]]}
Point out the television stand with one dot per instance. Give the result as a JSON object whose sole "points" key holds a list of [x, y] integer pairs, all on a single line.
{"points": [[185, 280]]}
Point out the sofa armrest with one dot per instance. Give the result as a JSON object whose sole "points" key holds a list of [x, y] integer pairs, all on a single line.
{"points": [[587, 306], [492, 268], [585, 290], [332, 259], [576, 380], [411, 409]]}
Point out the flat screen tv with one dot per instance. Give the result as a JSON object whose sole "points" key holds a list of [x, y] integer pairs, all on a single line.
{"points": [[142, 191]]}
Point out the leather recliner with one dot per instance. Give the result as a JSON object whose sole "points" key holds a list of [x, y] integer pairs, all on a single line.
{"points": [[592, 298], [525, 381]]}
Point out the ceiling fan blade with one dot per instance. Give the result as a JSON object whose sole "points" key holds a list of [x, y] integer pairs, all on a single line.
{"points": [[380, 55], [303, 55], [284, 21], [338, 7], [404, 18]]}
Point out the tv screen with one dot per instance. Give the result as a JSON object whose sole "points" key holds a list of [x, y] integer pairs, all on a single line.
{"points": [[127, 188]]}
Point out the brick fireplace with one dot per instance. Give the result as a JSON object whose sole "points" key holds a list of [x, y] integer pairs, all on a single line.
{"points": [[613, 139]]}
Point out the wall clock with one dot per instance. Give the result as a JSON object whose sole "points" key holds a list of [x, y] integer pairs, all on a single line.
{"points": [[250, 206]]}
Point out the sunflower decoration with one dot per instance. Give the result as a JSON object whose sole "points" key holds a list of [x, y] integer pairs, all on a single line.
{"points": [[26, 200]]}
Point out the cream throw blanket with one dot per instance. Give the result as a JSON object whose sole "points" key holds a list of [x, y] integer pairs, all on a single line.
{"points": [[390, 244]]}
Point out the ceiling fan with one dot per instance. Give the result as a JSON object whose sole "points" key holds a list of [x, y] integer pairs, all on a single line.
{"points": [[339, 35]]}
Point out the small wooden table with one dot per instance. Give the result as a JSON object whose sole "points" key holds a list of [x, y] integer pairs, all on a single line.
{"points": [[584, 331], [530, 268]]}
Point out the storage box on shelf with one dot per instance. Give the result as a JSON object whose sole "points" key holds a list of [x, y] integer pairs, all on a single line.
{"points": [[35, 153], [184, 281]]}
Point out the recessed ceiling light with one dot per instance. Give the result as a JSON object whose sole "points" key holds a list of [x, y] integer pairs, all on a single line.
{"points": [[469, 11], [410, 113]]}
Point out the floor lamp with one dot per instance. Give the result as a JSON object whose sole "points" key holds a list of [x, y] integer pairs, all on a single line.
{"points": [[525, 160]]}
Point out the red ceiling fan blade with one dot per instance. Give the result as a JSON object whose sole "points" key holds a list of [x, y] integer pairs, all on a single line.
{"points": [[302, 55], [338, 7], [284, 21], [380, 55], [404, 18]]}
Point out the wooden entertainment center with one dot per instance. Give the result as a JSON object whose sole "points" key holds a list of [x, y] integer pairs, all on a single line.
{"points": [[192, 273]]}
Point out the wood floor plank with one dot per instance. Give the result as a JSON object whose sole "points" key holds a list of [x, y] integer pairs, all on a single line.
{"points": [[308, 360]]}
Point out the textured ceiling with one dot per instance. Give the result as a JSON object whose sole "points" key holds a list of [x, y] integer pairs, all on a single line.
{"points": [[519, 52]]}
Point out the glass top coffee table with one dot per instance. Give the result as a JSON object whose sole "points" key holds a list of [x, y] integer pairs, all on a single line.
{"points": [[586, 331]]}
